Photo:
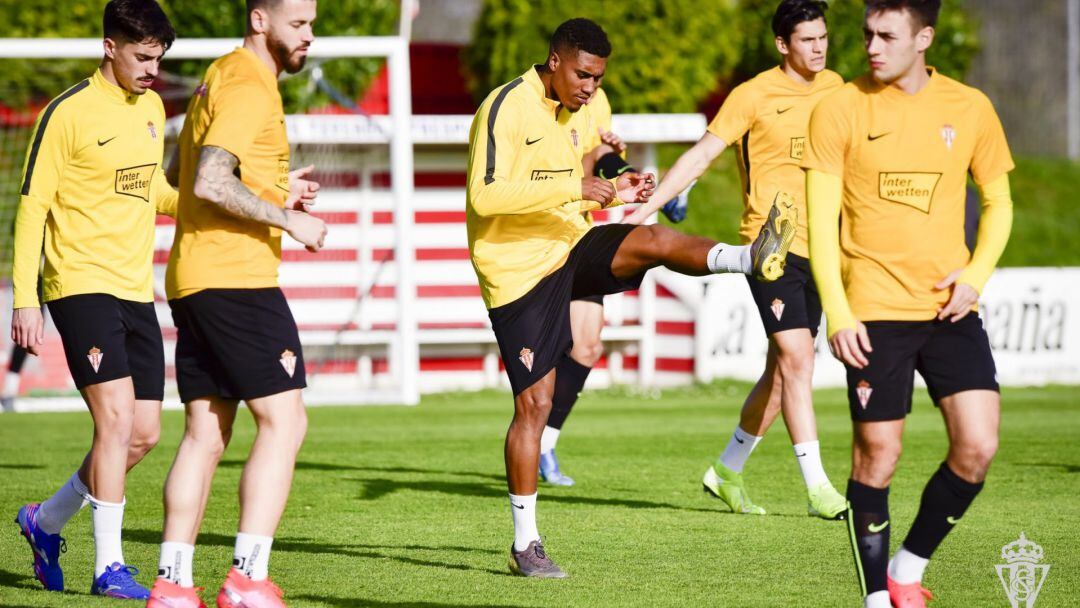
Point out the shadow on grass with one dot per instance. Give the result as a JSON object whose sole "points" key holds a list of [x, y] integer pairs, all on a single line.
{"points": [[375, 489], [358, 601], [18, 467], [371, 551], [1065, 468], [18, 580], [326, 466]]}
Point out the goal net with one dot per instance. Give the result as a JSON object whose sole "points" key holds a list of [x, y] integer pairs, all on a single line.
{"points": [[355, 302]]}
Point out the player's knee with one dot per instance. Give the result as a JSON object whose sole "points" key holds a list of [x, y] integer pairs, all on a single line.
{"points": [[143, 441], [660, 238], [796, 364], [300, 427], [875, 461], [588, 352], [114, 425], [972, 460], [534, 407]]}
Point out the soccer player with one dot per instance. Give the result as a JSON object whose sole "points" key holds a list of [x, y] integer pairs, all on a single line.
{"points": [[888, 156], [236, 337], [766, 120], [92, 184], [533, 250]]}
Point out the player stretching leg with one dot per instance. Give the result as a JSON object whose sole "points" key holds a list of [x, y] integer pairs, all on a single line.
{"points": [[533, 250], [888, 156], [236, 337], [766, 120], [94, 170]]}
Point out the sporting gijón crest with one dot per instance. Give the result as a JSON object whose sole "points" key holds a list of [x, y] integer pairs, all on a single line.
{"points": [[288, 361], [95, 356], [863, 392], [526, 358]]}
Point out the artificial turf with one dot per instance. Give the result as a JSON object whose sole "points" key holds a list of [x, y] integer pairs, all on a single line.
{"points": [[397, 506]]}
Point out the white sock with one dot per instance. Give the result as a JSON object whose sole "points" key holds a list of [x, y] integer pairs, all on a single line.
{"points": [[252, 555], [878, 599], [808, 453], [63, 505], [905, 567], [175, 563], [523, 508], [548, 439], [11, 384], [108, 520], [738, 449], [730, 258]]}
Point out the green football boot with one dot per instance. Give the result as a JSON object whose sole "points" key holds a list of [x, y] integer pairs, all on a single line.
{"points": [[728, 486], [825, 502]]}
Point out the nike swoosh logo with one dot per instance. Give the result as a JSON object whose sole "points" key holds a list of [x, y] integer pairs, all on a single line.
{"points": [[739, 440], [798, 455], [952, 520], [875, 528], [517, 506], [529, 142], [102, 143], [876, 137], [779, 111]]}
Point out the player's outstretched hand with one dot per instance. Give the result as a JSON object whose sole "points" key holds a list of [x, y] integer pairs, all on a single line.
{"points": [[306, 229], [597, 189], [302, 191], [851, 345], [611, 139], [963, 298], [28, 328], [635, 187]]}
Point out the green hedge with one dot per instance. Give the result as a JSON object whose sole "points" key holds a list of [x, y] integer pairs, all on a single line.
{"points": [[22, 82], [955, 44], [666, 54]]}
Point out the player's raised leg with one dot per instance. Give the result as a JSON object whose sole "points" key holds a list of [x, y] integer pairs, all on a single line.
{"points": [[586, 323]]}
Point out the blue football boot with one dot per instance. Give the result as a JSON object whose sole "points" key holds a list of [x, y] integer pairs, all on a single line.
{"points": [[46, 548], [549, 470], [118, 582]]}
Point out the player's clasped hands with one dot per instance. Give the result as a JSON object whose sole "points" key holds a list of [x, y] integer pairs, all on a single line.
{"points": [[635, 187], [960, 303], [28, 328], [306, 228], [597, 189], [850, 346]]}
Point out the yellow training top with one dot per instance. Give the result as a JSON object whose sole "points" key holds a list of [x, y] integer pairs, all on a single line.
{"points": [[766, 118], [238, 108], [904, 161], [91, 187], [523, 202]]}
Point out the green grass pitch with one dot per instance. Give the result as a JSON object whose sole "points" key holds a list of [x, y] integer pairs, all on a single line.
{"points": [[407, 506]]}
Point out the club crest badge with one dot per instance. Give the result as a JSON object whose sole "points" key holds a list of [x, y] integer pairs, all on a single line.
{"points": [[526, 357], [863, 392], [777, 307], [150, 127], [95, 356], [288, 361], [573, 136], [201, 89], [948, 135], [1022, 575]]}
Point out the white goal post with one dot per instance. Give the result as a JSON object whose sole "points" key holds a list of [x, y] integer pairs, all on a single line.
{"points": [[403, 352]]}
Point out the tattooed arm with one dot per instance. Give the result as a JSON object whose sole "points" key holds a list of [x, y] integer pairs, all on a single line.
{"points": [[215, 181]]}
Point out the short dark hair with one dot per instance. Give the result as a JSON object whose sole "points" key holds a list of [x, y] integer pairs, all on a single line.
{"points": [[790, 13], [581, 34], [137, 21], [254, 4], [923, 12]]}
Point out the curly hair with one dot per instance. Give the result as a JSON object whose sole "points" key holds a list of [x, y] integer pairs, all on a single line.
{"points": [[581, 34], [137, 21]]}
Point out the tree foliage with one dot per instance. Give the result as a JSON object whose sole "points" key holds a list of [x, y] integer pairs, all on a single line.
{"points": [[23, 82], [666, 54]]}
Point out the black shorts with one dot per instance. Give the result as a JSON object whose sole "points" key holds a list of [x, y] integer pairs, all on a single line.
{"points": [[106, 338], [950, 357], [533, 331], [790, 302], [237, 344]]}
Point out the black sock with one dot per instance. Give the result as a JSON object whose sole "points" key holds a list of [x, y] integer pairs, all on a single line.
{"points": [[18, 357], [570, 378], [868, 527], [944, 501]]}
